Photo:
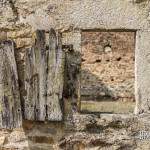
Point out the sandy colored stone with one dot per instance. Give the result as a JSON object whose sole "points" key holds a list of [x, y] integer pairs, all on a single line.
{"points": [[3, 35], [82, 131], [16, 136], [2, 140]]}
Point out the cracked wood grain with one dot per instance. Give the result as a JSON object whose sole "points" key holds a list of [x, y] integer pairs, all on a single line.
{"points": [[10, 107], [44, 78]]}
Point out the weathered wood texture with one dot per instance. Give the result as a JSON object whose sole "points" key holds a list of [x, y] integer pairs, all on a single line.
{"points": [[44, 78], [10, 107], [72, 77]]}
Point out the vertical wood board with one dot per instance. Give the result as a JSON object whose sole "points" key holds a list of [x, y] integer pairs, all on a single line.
{"points": [[10, 106]]}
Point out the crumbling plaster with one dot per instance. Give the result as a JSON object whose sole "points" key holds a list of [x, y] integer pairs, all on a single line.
{"points": [[104, 14]]}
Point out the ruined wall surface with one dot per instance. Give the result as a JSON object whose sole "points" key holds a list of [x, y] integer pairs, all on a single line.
{"points": [[107, 66], [18, 21], [107, 71]]}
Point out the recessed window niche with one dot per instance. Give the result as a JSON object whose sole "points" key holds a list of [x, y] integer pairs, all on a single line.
{"points": [[107, 72]]}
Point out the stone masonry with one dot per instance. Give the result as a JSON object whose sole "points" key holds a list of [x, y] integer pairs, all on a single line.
{"points": [[19, 19]]}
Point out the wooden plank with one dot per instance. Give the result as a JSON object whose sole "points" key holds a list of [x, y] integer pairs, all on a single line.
{"points": [[41, 67], [55, 77], [31, 85], [72, 77], [44, 78], [35, 79], [10, 107]]}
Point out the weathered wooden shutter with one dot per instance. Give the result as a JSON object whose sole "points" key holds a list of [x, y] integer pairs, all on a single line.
{"points": [[44, 78], [10, 107]]}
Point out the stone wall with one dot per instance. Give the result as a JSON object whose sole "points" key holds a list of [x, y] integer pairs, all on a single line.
{"points": [[108, 66], [107, 71], [18, 21]]}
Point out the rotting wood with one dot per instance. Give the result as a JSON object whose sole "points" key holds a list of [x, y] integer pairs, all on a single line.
{"points": [[55, 77], [10, 107], [44, 78], [72, 78]]}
